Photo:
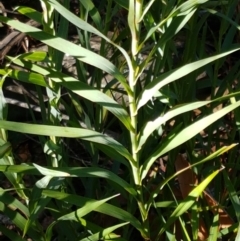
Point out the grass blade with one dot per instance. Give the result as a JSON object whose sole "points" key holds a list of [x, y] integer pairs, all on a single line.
{"points": [[71, 172], [189, 201], [173, 75], [69, 132], [105, 234], [185, 135]]}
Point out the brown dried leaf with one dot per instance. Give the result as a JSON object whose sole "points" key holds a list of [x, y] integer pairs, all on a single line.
{"points": [[225, 221], [187, 179]]}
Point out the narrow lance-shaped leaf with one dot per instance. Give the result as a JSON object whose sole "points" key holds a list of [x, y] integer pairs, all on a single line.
{"points": [[106, 234], [88, 207], [233, 194], [13, 202], [76, 21], [176, 25], [189, 201], [70, 172], [183, 9], [69, 48], [70, 83], [10, 234], [151, 126], [184, 136], [20, 221], [105, 208], [238, 234], [93, 12], [161, 185], [30, 13], [166, 78], [4, 149], [69, 132]]}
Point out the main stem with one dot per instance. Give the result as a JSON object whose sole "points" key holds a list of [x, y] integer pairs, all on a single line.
{"points": [[135, 10]]}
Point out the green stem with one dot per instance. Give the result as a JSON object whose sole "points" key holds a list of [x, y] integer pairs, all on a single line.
{"points": [[135, 11]]}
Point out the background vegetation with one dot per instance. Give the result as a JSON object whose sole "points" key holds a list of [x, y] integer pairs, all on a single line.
{"points": [[140, 142]]}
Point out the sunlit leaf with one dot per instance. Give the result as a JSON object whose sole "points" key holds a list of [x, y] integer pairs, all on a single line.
{"points": [[185, 135], [173, 75], [13, 202], [69, 48], [69, 132], [105, 208], [106, 233], [216, 154], [71, 172], [4, 149], [148, 129], [189, 201], [86, 208], [71, 83]]}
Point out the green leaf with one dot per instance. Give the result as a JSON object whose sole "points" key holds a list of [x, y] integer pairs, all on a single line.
{"points": [[177, 23], [214, 230], [37, 56], [13, 202], [159, 187], [70, 132], [105, 234], [232, 194], [69, 83], [151, 126], [166, 78], [183, 9], [20, 222], [105, 65], [93, 12], [89, 28], [105, 208], [37, 201], [238, 234], [185, 135], [71, 172], [5, 149], [30, 13], [189, 201], [10, 234], [86, 208], [188, 5], [24, 76], [69, 48], [50, 173]]}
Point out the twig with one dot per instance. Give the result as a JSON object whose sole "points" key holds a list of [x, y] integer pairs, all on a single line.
{"points": [[14, 38]]}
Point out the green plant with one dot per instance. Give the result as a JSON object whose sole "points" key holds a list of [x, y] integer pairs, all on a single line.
{"points": [[152, 62]]}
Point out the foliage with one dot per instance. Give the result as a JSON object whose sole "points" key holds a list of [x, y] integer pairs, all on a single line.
{"points": [[161, 93]]}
